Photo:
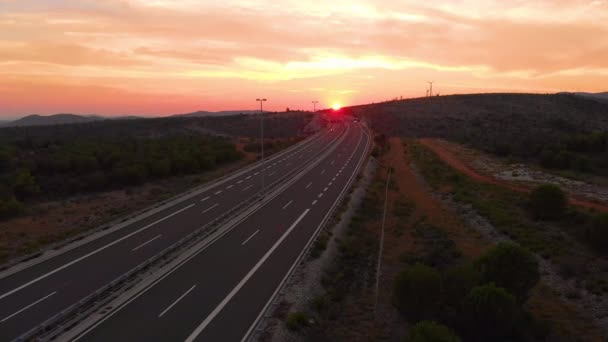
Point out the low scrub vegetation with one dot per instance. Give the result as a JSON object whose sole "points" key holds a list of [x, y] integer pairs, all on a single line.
{"points": [[510, 266], [559, 131], [481, 300], [297, 321], [548, 202], [58, 167], [429, 331], [540, 221]]}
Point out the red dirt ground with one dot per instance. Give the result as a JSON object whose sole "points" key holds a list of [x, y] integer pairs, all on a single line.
{"points": [[445, 155]]}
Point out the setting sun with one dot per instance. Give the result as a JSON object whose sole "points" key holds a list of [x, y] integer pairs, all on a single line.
{"points": [[336, 106]]}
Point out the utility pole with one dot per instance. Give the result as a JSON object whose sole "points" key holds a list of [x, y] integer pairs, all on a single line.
{"points": [[262, 138], [314, 106], [431, 88]]}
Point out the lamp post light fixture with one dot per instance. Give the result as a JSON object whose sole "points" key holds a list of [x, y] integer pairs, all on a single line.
{"points": [[262, 138]]}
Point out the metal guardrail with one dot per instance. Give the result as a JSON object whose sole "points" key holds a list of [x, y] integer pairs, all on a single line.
{"points": [[72, 315]]}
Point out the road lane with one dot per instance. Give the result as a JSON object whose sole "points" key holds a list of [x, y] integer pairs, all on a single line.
{"points": [[221, 268], [79, 272]]}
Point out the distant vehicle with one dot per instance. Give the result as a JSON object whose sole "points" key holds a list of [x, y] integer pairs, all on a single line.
{"points": [[355, 120]]}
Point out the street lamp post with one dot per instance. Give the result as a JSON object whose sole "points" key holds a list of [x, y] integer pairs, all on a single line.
{"points": [[262, 138], [314, 106]]}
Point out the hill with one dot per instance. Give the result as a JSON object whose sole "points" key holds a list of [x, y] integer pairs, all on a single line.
{"points": [[57, 119], [202, 113], [505, 124], [597, 96]]}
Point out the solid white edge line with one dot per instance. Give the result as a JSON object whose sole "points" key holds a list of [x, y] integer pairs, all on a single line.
{"points": [[147, 242], [254, 324], [89, 254], [236, 289], [176, 301], [301, 146], [27, 307], [249, 238], [100, 321]]}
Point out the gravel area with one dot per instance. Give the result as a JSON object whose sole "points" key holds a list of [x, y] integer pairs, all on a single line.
{"points": [[526, 174]]}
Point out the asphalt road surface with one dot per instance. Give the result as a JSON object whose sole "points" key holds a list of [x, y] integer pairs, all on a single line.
{"points": [[31, 295], [219, 293]]}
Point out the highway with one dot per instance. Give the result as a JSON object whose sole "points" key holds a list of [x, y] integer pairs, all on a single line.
{"points": [[31, 294], [219, 293]]}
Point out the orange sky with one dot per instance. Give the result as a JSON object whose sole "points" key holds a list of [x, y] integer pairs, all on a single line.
{"points": [[157, 57]]}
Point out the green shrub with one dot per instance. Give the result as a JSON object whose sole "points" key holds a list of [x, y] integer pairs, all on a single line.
{"points": [[319, 245], [510, 266], [296, 320], [417, 291], [10, 208], [548, 201], [597, 232], [490, 312], [429, 331], [458, 281]]}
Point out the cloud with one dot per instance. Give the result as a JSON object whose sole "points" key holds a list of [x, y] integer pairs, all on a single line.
{"points": [[354, 46]]}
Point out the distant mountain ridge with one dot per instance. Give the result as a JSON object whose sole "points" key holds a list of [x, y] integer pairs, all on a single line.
{"points": [[202, 113], [597, 96], [64, 119], [59, 119]]}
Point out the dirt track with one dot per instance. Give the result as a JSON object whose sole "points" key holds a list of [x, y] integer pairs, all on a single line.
{"points": [[458, 164]]}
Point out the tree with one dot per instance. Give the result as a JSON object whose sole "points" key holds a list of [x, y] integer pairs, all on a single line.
{"points": [[510, 266], [597, 232], [417, 292], [10, 207], [548, 201], [429, 331], [24, 184], [458, 282], [490, 312], [5, 160]]}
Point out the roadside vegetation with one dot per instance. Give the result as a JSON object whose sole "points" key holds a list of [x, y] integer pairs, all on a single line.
{"points": [[442, 280], [561, 132], [52, 169], [571, 239], [541, 221], [58, 181]]}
